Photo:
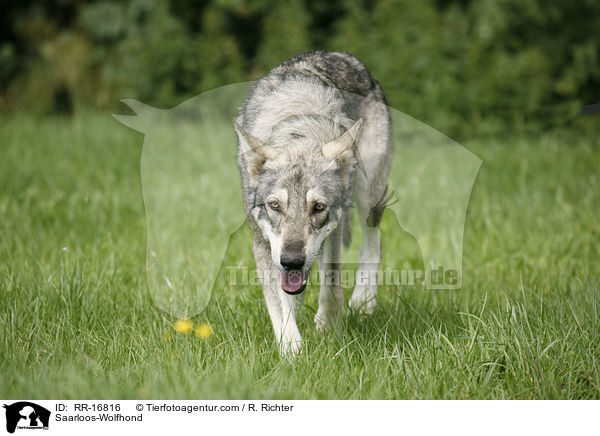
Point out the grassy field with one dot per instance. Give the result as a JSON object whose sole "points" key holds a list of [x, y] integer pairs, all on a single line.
{"points": [[76, 319]]}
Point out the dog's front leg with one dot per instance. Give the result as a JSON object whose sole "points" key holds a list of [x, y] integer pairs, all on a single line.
{"points": [[331, 297], [281, 306]]}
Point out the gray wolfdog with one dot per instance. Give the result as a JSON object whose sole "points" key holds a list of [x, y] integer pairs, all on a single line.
{"points": [[314, 136]]}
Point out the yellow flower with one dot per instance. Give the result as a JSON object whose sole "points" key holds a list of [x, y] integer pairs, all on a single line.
{"points": [[184, 325], [203, 331]]}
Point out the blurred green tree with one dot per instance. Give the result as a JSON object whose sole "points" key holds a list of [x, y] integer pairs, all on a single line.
{"points": [[284, 33], [462, 66]]}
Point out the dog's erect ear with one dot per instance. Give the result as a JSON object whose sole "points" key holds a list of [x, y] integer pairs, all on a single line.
{"points": [[341, 147], [254, 152]]}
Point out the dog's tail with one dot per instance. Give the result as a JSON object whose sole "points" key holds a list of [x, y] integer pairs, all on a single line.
{"points": [[347, 228], [376, 212]]}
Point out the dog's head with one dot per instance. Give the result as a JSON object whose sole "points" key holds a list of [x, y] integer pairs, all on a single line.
{"points": [[301, 181]]}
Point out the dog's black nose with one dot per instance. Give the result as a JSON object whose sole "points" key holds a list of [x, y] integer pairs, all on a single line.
{"points": [[292, 260]]}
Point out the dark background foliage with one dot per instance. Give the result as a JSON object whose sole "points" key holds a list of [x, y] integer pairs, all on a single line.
{"points": [[461, 66]]}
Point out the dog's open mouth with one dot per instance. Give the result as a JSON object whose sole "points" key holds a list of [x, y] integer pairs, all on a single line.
{"points": [[293, 282]]}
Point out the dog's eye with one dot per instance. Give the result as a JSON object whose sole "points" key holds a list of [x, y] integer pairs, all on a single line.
{"points": [[319, 207], [275, 206]]}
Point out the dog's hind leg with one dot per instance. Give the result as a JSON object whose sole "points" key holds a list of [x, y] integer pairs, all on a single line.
{"points": [[281, 306], [364, 296], [331, 297], [375, 151]]}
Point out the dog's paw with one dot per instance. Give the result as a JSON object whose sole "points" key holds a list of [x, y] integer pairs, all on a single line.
{"points": [[290, 348], [327, 321], [363, 302]]}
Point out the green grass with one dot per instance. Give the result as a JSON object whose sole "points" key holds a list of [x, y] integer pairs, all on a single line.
{"points": [[79, 322]]}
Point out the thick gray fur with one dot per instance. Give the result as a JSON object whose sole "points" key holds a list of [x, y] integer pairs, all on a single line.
{"points": [[285, 122]]}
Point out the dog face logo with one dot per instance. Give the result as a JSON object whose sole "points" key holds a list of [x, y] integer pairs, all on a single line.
{"points": [[193, 205], [26, 415]]}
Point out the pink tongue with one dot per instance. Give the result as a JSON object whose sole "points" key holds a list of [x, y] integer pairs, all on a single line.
{"points": [[291, 281]]}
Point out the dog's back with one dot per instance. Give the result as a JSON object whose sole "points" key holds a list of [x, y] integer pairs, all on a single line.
{"points": [[322, 83], [337, 70]]}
